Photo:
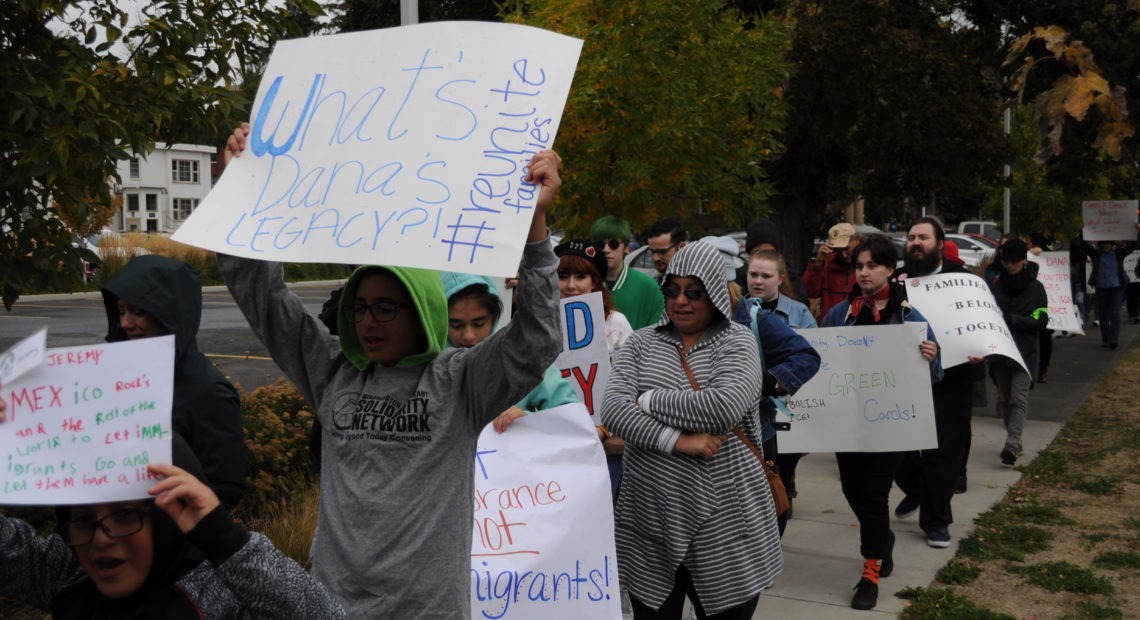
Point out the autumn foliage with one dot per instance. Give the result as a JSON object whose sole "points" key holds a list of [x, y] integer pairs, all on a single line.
{"points": [[1081, 88]]}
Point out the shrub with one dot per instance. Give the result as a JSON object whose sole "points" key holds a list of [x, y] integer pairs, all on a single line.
{"points": [[277, 424]]}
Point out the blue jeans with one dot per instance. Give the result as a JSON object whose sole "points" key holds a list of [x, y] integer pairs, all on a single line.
{"points": [[1108, 303]]}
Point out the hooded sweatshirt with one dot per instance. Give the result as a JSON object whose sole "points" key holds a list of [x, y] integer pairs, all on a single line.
{"points": [[207, 411], [398, 442], [554, 391], [714, 515]]}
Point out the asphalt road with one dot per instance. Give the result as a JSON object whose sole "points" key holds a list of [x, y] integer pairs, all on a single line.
{"points": [[224, 335]]}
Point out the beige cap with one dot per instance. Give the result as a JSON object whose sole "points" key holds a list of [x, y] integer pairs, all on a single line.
{"points": [[840, 235]]}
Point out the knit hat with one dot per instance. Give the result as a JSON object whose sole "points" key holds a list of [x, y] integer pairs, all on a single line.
{"points": [[950, 253], [760, 232], [727, 247], [1013, 251], [584, 248]]}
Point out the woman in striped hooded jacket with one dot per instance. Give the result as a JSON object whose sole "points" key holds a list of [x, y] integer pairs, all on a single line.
{"points": [[695, 516]]}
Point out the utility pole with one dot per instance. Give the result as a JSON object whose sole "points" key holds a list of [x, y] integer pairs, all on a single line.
{"points": [[409, 12], [1008, 180]]}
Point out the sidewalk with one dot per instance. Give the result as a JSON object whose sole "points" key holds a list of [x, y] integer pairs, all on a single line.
{"points": [[821, 543]]}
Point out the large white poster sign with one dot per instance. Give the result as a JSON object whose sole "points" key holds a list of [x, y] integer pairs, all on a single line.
{"points": [[402, 146], [543, 545], [871, 394], [1108, 220], [83, 426], [1130, 266], [963, 315], [1053, 273], [584, 360]]}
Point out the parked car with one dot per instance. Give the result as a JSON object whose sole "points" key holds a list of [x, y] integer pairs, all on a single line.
{"points": [[972, 250], [985, 228], [642, 260]]}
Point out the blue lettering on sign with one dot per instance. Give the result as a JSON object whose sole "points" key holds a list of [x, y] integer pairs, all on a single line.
{"points": [[872, 412], [502, 588], [302, 201], [579, 311]]}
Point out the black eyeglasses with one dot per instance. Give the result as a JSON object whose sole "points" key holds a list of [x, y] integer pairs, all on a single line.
{"points": [[115, 525], [613, 244], [671, 291], [383, 310], [663, 251]]}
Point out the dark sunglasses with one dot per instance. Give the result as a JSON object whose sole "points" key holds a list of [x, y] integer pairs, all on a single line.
{"points": [[671, 291], [613, 244], [663, 251]]}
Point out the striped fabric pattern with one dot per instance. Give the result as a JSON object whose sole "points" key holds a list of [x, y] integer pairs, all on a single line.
{"points": [[716, 516]]}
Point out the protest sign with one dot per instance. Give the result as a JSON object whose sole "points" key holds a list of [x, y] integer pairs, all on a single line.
{"points": [[403, 146], [871, 394], [1053, 273], [543, 542], [83, 426], [964, 317], [24, 356], [1130, 266], [585, 360], [1108, 220]]}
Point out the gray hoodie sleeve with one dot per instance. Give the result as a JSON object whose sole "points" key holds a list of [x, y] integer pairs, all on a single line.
{"points": [[258, 581], [298, 342], [33, 568], [503, 369]]}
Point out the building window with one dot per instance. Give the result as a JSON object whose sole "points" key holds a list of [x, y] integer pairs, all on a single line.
{"points": [[183, 207], [133, 202], [152, 202], [184, 170], [135, 168]]}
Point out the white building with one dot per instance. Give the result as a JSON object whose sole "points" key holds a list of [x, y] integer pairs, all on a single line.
{"points": [[160, 190]]}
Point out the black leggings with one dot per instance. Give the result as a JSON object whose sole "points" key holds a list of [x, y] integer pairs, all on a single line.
{"points": [[674, 605]]}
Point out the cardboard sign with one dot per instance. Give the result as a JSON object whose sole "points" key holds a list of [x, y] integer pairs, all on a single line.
{"points": [[963, 315], [1108, 220], [585, 360], [1053, 273], [543, 543], [871, 394], [1130, 266], [403, 146], [83, 426]]}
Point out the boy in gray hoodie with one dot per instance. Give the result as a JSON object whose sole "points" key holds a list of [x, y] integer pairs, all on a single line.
{"points": [[401, 414]]}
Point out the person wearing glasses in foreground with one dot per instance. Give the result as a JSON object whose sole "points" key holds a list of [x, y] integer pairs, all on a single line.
{"points": [[177, 556], [866, 477], [400, 414], [695, 515]]}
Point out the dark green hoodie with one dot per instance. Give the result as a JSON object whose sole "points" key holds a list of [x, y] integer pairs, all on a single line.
{"points": [[207, 411]]}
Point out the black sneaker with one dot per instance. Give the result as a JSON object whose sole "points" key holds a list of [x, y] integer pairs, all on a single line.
{"points": [[960, 484], [906, 507], [866, 594], [1042, 376], [1008, 457], [938, 537], [888, 565]]}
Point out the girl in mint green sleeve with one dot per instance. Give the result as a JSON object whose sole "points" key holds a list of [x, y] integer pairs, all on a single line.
{"points": [[473, 312]]}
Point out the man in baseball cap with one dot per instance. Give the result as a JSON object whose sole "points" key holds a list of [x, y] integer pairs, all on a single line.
{"points": [[830, 276]]}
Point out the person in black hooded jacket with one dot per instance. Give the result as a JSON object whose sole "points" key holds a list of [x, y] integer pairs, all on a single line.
{"points": [[176, 556], [1025, 308], [154, 296]]}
